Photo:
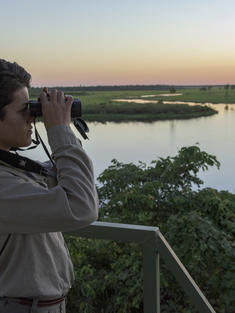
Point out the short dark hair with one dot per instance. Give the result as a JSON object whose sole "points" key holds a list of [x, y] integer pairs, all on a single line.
{"points": [[12, 78]]}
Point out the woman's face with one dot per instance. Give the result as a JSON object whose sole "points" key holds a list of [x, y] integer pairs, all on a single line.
{"points": [[16, 128]]}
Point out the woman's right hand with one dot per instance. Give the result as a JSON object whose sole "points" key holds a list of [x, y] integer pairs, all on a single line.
{"points": [[56, 107]]}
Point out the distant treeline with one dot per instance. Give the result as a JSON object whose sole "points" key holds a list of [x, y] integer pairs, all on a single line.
{"points": [[119, 87]]}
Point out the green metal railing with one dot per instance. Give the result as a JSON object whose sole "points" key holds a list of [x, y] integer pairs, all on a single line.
{"points": [[154, 246]]}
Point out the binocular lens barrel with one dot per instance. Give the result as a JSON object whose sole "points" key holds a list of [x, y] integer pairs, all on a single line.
{"points": [[35, 108]]}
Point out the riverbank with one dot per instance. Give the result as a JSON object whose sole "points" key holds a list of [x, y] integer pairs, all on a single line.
{"points": [[213, 95], [103, 106], [106, 107], [118, 112]]}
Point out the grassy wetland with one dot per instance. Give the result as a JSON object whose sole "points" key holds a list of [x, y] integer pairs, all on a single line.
{"points": [[112, 105]]}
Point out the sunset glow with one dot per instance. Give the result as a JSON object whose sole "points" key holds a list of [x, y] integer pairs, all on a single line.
{"points": [[120, 42]]}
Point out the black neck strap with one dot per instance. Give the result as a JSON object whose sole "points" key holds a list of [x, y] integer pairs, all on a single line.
{"points": [[22, 163]]}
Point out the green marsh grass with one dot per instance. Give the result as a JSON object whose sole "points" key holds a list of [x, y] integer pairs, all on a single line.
{"points": [[99, 105]]}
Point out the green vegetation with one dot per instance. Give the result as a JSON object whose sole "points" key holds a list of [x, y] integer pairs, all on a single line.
{"points": [[224, 94], [99, 105], [124, 111], [198, 224]]}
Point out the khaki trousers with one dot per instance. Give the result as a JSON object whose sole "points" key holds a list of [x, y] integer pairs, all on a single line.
{"points": [[10, 306]]}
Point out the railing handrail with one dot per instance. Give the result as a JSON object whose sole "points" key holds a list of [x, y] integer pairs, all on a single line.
{"points": [[154, 245]]}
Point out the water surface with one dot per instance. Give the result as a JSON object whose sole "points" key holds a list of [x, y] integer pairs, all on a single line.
{"points": [[134, 141]]}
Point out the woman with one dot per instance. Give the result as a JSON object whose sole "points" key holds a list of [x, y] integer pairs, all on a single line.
{"points": [[36, 271]]}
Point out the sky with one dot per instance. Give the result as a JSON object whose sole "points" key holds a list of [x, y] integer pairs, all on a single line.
{"points": [[119, 42]]}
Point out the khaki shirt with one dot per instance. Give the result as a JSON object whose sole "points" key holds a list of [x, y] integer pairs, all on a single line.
{"points": [[35, 210]]}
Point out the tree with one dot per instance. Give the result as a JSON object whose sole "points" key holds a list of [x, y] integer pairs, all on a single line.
{"points": [[226, 87], [198, 223], [203, 89], [209, 89], [172, 89]]}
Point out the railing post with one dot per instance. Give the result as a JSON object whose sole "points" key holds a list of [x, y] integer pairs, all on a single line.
{"points": [[151, 276], [153, 243]]}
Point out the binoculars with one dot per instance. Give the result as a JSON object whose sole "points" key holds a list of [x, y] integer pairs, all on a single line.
{"points": [[35, 108]]}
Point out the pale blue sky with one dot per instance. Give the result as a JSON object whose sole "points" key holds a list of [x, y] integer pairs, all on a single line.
{"points": [[125, 41]]}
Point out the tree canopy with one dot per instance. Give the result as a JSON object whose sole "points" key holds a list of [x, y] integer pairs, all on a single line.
{"points": [[197, 222]]}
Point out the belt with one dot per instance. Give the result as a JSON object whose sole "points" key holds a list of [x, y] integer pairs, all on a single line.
{"points": [[27, 301]]}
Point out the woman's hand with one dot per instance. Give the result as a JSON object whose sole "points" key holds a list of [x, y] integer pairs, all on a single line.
{"points": [[56, 108]]}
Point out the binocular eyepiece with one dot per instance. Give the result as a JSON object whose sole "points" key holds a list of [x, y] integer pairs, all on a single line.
{"points": [[35, 108]]}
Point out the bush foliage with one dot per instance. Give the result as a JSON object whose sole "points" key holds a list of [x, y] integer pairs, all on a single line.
{"points": [[197, 222]]}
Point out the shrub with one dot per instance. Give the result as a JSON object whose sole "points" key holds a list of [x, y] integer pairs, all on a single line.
{"points": [[198, 224]]}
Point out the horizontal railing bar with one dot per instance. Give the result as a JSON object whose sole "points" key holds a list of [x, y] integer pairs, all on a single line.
{"points": [[117, 231], [148, 235], [183, 277]]}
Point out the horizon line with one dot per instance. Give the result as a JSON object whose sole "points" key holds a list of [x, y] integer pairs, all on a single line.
{"points": [[135, 85]]}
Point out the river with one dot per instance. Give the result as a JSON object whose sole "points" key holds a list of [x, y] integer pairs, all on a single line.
{"points": [[134, 141]]}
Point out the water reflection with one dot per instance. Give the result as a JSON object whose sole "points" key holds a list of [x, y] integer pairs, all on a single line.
{"points": [[174, 102], [163, 95], [134, 141]]}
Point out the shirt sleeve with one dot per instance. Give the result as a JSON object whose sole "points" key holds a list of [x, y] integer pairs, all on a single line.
{"points": [[71, 204]]}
